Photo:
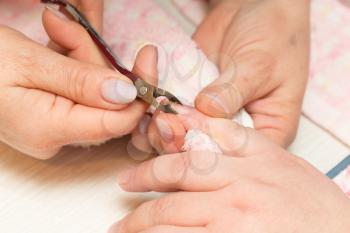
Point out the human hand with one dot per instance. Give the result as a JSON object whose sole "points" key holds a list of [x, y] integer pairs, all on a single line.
{"points": [[258, 187], [167, 132], [48, 101], [262, 51], [93, 11]]}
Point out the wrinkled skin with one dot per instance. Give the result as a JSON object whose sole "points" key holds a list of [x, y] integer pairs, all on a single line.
{"points": [[48, 100]]}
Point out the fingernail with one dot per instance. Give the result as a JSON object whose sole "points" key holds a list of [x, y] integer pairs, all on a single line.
{"points": [[118, 91], [125, 176], [147, 61], [182, 110], [153, 55], [57, 13], [144, 123], [164, 129], [216, 101]]}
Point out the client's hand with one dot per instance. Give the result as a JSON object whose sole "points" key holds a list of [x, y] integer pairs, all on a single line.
{"points": [[255, 187]]}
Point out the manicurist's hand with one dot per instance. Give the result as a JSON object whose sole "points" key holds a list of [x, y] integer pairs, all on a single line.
{"points": [[48, 100], [262, 51], [255, 187]]}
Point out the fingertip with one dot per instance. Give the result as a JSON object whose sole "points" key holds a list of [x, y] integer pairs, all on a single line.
{"points": [[93, 11], [51, 13], [150, 51], [166, 133], [165, 129], [124, 178], [139, 137], [53, 20], [211, 104], [190, 117], [161, 134], [118, 91], [121, 123], [146, 64], [53, 17]]}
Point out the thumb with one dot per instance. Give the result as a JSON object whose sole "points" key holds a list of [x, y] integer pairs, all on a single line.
{"points": [[86, 84], [242, 80], [85, 124]]}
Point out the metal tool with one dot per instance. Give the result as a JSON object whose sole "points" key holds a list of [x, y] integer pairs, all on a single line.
{"points": [[145, 91]]}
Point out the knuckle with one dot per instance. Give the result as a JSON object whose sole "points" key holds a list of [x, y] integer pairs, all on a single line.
{"points": [[160, 208], [179, 168], [77, 83], [39, 141], [204, 165], [169, 171], [40, 149]]}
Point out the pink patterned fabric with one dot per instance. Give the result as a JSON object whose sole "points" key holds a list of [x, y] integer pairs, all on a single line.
{"points": [[327, 96]]}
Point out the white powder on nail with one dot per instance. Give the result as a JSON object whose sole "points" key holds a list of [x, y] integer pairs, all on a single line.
{"points": [[196, 140]]}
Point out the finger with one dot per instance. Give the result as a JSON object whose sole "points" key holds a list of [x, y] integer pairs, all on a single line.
{"points": [[215, 24], [49, 122], [139, 136], [82, 83], [244, 78], [146, 67], [166, 133], [177, 209], [72, 37], [88, 84], [236, 140], [174, 229], [146, 64], [92, 10], [190, 171], [55, 47], [80, 124], [277, 117], [86, 125]]}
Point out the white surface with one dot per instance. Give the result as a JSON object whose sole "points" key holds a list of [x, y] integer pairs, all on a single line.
{"points": [[318, 147], [77, 193]]}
